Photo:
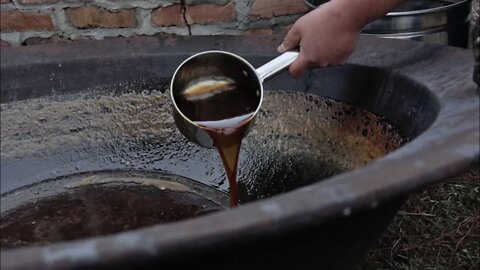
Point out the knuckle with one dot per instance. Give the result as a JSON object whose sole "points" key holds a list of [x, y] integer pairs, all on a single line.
{"points": [[312, 58]]}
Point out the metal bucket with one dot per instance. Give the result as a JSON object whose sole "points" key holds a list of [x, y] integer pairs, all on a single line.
{"points": [[434, 21]]}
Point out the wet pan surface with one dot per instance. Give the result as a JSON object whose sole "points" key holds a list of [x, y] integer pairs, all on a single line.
{"points": [[298, 139]]}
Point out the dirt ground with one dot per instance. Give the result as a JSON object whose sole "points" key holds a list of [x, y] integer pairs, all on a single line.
{"points": [[438, 228]]}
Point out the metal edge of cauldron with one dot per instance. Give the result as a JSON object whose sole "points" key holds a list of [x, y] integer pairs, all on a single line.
{"points": [[447, 147]]}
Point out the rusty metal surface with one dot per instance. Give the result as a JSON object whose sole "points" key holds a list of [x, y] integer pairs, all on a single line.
{"points": [[446, 142]]}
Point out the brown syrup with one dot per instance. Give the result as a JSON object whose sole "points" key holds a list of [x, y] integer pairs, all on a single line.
{"points": [[223, 109], [96, 210]]}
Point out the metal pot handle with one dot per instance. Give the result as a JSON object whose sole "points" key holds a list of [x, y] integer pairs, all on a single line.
{"points": [[276, 65]]}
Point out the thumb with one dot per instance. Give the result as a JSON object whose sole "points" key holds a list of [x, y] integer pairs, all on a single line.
{"points": [[291, 41]]}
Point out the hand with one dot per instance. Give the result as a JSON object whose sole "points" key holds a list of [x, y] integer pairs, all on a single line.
{"points": [[326, 36]]}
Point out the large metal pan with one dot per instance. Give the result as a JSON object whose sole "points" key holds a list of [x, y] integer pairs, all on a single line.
{"points": [[313, 167]]}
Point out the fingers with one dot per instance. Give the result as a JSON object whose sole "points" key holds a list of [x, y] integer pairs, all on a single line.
{"points": [[291, 41], [298, 67]]}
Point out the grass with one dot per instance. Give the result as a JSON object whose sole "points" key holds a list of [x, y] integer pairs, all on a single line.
{"points": [[438, 228]]}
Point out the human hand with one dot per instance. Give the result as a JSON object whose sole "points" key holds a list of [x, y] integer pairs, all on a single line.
{"points": [[326, 36]]}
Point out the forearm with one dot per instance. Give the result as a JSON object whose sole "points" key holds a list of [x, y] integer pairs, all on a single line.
{"points": [[328, 35], [361, 12]]}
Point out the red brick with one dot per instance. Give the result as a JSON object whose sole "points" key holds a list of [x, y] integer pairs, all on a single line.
{"points": [[264, 9], [209, 13], [19, 21], [167, 16], [37, 2], [93, 17], [196, 14], [4, 44]]}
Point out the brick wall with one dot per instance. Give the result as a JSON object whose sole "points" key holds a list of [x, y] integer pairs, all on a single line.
{"points": [[25, 22]]}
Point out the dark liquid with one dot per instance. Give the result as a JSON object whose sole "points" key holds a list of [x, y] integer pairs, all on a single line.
{"points": [[224, 113], [97, 210], [228, 143]]}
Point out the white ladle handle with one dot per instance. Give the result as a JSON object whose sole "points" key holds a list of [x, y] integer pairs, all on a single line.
{"points": [[276, 65]]}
